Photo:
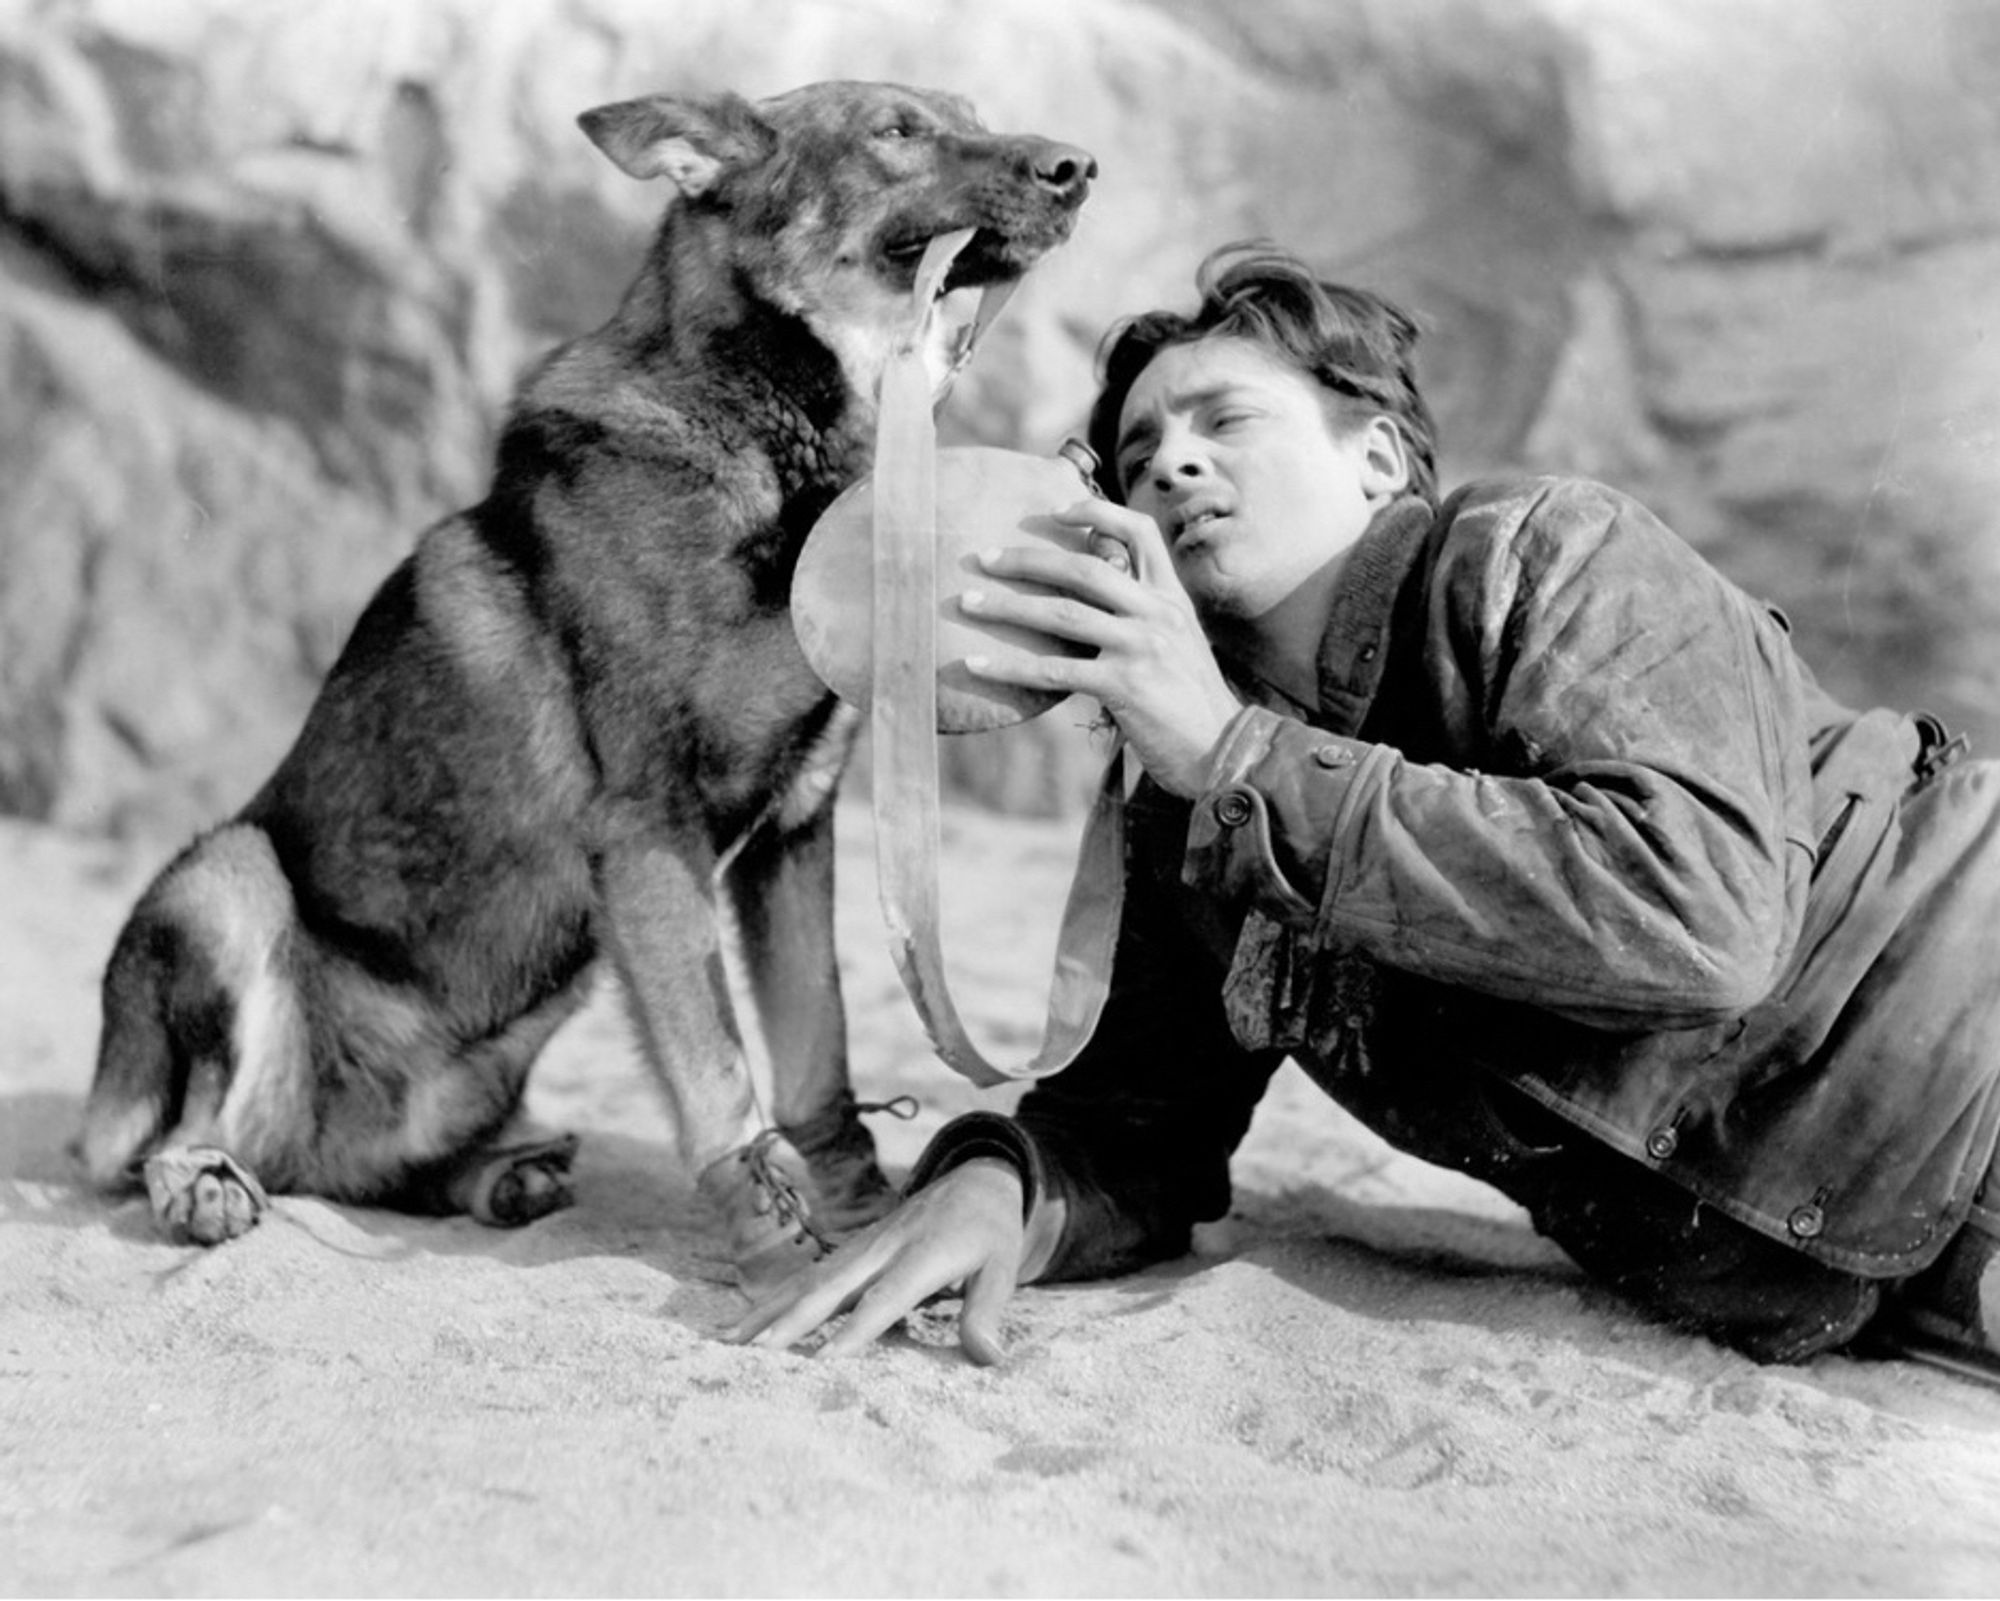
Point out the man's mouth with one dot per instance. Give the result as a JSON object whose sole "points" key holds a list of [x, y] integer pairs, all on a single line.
{"points": [[1193, 519]]}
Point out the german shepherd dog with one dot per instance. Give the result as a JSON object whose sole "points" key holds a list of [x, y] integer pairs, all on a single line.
{"points": [[574, 718]]}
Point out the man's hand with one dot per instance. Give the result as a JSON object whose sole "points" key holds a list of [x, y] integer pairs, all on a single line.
{"points": [[964, 1228], [1154, 670]]}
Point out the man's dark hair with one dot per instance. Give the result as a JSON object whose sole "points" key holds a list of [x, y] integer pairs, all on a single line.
{"points": [[1354, 344]]}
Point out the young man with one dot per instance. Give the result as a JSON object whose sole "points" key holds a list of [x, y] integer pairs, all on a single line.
{"points": [[1522, 830]]}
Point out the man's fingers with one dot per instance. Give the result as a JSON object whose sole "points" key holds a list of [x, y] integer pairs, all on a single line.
{"points": [[1064, 675], [1143, 566], [875, 1295], [901, 1288], [804, 1317], [952, 1231], [987, 1293], [803, 1303], [1078, 621], [1107, 549], [870, 1320], [1092, 583], [1138, 538]]}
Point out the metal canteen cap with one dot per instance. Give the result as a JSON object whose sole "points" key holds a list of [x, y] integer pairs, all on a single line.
{"points": [[986, 498]]}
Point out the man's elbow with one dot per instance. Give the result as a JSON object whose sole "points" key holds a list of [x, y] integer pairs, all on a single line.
{"points": [[1729, 966]]}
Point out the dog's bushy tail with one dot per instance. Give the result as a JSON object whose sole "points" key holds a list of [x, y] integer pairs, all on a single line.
{"points": [[171, 999], [141, 1079]]}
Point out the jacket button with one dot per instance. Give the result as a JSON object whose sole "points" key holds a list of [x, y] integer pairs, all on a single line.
{"points": [[1233, 809], [1806, 1221], [1662, 1143], [1332, 756]]}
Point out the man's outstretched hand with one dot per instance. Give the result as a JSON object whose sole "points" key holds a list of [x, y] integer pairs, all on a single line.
{"points": [[965, 1228]]}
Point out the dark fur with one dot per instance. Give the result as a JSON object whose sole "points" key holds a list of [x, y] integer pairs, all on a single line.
{"points": [[566, 711]]}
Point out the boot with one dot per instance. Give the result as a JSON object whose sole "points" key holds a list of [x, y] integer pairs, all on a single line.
{"points": [[1949, 1314], [756, 1195], [848, 1186]]}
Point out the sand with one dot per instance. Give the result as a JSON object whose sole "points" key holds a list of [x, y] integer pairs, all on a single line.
{"points": [[1372, 1378]]}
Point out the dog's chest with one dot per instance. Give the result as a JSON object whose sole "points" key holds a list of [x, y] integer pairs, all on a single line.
{"points": [[768, 746]]}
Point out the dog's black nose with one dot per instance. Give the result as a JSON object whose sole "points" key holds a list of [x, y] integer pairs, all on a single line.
{"points": [[1063, 168]]}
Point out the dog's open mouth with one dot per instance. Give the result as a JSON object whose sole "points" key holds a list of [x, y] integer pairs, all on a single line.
{"points": [[988, 257]]}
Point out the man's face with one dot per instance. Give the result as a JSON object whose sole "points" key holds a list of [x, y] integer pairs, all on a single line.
{"points": [[1229, 449]]}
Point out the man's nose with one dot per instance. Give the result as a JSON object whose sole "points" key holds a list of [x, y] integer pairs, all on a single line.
{"points": [[1176, 464]]}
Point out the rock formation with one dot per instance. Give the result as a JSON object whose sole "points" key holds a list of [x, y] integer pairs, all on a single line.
{"points": [[267, 274]]}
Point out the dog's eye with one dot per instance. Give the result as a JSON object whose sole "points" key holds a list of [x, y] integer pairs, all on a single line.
{"points": [[900, 129]]}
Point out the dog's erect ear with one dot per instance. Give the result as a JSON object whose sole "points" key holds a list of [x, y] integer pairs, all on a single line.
{"points": [[692, 142]]}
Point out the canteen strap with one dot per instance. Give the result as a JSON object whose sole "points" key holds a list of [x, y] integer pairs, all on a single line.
{"points": [[903, 712]]}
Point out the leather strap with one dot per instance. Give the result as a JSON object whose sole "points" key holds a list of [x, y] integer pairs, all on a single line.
{"points": [[903, 710]]}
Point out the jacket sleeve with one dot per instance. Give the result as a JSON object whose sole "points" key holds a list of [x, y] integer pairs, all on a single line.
{"points": [[1126, 1149], [1618, 828]]}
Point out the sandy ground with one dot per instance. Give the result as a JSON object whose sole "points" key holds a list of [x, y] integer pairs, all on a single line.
{"points": [[1371, 1379]]}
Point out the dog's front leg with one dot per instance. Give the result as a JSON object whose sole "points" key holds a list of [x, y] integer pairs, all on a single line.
{"points": [[661, 928], [780, 887]]}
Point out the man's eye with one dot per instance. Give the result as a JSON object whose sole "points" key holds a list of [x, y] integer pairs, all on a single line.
{"points": [[1223, 421]]}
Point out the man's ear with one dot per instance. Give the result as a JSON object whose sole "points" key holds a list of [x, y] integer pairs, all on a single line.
{"points": [[691, 142], [1385, 459]]}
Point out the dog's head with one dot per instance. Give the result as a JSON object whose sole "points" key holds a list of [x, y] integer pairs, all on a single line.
{"points": [[825, 197]]}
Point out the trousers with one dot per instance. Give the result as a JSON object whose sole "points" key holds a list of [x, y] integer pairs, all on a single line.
{"points": [[1660, 1247]]}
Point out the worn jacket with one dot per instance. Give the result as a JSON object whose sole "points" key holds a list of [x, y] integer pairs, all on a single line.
{"points": [[1570, 838]]}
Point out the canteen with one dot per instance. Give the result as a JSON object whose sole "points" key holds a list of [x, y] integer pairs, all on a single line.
{"points": [[986, 498]]}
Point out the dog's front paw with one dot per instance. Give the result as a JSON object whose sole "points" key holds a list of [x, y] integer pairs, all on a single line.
{"points": [[202, 1195], [520, 1183]]}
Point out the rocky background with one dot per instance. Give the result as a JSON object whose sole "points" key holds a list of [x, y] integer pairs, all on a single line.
{"points": [[268, 272]]}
